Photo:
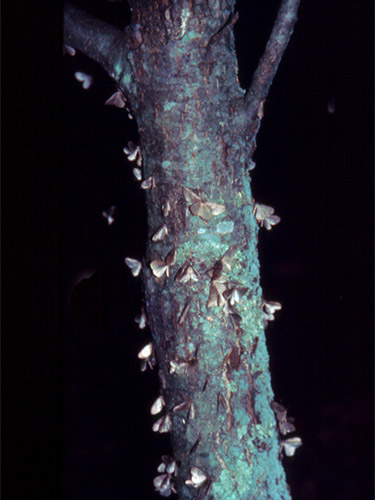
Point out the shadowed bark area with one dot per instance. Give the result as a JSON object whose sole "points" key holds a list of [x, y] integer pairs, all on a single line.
{"points": [[178, 68]]}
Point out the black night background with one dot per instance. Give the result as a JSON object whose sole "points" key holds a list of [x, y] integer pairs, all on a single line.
{"points": [[75, 411]]}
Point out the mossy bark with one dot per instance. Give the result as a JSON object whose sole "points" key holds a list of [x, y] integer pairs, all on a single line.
{"points": [[179, 73]]}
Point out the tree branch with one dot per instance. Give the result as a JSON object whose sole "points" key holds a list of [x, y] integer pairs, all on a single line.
{"points": [[266, 70], [96, 39]]}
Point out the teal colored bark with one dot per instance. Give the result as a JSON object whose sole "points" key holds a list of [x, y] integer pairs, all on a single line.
{"points": [[179, 73]]}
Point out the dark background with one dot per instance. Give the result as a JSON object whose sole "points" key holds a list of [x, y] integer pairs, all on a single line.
{"points": [[75, 411]]}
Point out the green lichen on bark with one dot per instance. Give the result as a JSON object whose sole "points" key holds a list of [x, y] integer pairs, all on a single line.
{"points": [[179, 73]]}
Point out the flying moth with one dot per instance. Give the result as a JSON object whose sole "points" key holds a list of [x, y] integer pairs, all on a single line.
{"points": [[134, 265], [108, 214], [84, 78]]}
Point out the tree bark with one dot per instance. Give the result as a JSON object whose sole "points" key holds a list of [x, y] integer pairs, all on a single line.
{"points": [[178, 69]]}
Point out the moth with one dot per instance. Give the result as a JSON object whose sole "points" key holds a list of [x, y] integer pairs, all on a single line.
{"points": [[285, 423], [134, 265], [216, 297], [186, 273], [221, 401], [252, 165], [195, 445], [147, 356], [235, 294], [290, 445], [181, 366], [84, 78], [160, 267], [157, 406], [67, 49], [178, 366], [217, 287], [148, 183], [269, 308], [204, 210], [117, 99], [166, 208], [160, 234], [221, 292], [109, 214], [286, 426], [137, 172], [185, 405], [235, 319], [264, 216], [197, 477], [141, 320], [229, 257], [278, 408], [133, 153], [146, 352], [185, 310], [163, 424], [163, 485], [168, 465]]}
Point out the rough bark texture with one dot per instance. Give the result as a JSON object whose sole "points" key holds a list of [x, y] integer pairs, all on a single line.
{"points": [[178, 69]]}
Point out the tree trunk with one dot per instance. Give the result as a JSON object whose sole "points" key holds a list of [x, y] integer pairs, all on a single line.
{"points": [[177, 66]]}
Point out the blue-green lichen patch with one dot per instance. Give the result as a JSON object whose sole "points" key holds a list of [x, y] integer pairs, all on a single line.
{"points": [[225, 227]]}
